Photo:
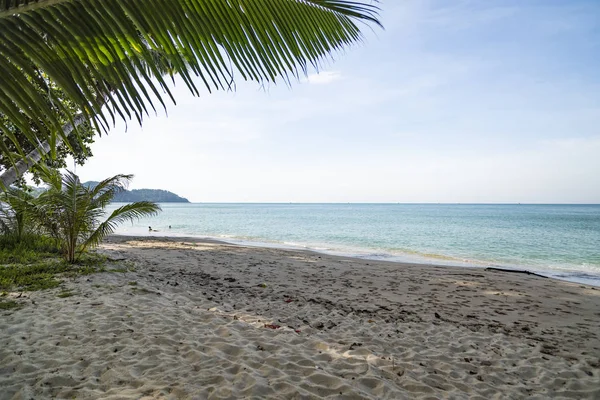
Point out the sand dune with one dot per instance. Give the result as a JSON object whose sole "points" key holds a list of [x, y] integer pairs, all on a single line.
{"points": [[206, 320]]}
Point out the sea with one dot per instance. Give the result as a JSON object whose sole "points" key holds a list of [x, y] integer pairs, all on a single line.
{"points": [[559, 241]]}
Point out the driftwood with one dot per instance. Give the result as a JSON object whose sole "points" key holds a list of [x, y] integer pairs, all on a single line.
{"points": [[515, 271]]}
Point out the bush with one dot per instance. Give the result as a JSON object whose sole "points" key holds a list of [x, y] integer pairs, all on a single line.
{"points": [[26, 250]]}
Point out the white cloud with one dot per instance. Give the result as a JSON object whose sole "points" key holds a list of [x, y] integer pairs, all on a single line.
{"points": [[324, 78]]}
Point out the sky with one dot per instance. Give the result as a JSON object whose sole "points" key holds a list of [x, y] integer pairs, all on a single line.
{"points": [[453, 102]]}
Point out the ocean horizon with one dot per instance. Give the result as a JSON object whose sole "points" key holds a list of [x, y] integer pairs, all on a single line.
{"points": [[555, 240]]}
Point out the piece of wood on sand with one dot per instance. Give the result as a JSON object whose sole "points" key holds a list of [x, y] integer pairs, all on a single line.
{"points": [[515, 271]]}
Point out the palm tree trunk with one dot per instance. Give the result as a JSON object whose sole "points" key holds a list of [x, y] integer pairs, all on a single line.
{"points": [[13, 173]]}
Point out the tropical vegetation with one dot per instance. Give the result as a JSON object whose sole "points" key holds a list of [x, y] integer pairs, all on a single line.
{"points": [[48, 235], [69, 212]]}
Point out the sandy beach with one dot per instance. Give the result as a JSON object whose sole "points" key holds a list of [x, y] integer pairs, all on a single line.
{"points": [[188, 318]]}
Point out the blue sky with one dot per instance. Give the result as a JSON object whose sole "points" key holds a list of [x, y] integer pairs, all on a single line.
{"points": [[455, 101]]}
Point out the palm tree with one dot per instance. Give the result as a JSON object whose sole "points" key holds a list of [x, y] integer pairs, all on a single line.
{"points": [[73, 214], [101, 54]]}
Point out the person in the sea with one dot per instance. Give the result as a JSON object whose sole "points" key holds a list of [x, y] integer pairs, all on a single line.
{"points": [[151, 230]]}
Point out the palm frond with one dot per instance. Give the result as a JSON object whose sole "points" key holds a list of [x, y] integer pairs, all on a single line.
{"points": [[50, 177], [128, 212], [102, 194], [118, 182], [104, 52]]}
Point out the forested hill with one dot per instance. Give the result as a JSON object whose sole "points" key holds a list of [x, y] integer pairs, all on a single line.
{"points": [[155, 195]]}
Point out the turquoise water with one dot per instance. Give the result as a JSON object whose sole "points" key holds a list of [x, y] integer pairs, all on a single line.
{"points": [[562, 241]]}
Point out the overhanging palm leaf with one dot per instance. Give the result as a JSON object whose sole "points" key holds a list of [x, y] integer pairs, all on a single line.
{"points": [[103, 51]]}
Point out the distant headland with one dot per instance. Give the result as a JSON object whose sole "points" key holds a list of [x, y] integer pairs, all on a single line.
{"points": [[155, 195]]}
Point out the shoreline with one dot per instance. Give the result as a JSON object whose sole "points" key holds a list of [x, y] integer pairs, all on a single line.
{"points": [[574, 276], [190, 318]]}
